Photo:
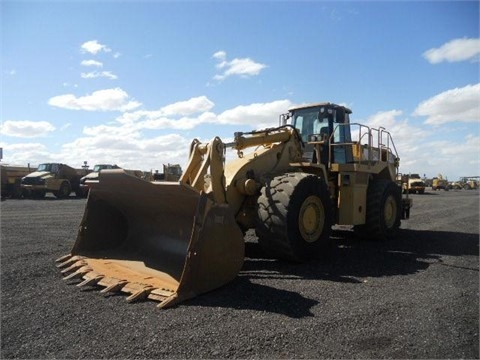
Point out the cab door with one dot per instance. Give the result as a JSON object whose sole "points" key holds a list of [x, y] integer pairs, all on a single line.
{"points": [[342, 153]]}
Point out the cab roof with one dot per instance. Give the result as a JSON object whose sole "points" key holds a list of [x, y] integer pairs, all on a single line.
{"points": [[326, 104]]}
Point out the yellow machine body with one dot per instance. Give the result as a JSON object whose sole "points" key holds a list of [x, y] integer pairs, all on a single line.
{"points": [[173, 240]]}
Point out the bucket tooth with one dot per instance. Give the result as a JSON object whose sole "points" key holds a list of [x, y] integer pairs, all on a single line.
{"points": [[63, 258], [169, 301], [69, 261], [73, 267], [140, 295], [91, 281], [78, 274], [114, 287]]}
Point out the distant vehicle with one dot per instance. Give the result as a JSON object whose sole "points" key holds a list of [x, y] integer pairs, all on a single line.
{"points": [[171, 172], [59, 179], [470, 183], [11, 177], [413, 184], [439, 183]]}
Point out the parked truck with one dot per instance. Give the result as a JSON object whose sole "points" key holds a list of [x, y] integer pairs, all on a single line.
{"points": [[413, 184], [11, 177], [57, 178]]}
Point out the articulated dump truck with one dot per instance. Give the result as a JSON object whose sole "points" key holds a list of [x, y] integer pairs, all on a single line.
{"points": [[171, 241]]}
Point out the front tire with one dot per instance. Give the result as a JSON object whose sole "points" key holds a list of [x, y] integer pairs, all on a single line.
{"points": [[294, 217], [64, 191]]}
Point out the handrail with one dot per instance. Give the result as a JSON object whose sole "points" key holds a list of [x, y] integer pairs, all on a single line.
{"points": [[384, 143]]}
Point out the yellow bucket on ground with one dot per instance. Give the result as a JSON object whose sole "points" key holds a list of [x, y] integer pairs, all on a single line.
{"points": [[159, 240]]}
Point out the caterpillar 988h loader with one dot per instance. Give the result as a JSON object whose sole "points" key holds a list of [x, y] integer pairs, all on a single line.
{"points": [[170, 241]]}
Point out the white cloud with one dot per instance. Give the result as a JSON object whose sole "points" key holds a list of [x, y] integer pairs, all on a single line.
{"points": [[102, 100], [26, 128], [258, 115], [130, 152], [155, 120], [400, 130], [167, 116], [93, 47], [453, 159], [129, 143], [454, 51], [414, 145], [471, 145], [67, 84], [243, 67], [459, 104], [97, 74], [220, 55], [191, 106], [112, 130], [23, 154], [91, 63], [178, 115], [65, 126]]}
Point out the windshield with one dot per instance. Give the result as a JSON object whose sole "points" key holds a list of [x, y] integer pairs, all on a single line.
{"points": [[309, 121], [48, 167], [97, 168], [174, 170]]}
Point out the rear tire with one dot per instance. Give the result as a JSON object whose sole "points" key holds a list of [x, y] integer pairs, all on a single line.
{"points": [[383, 213], [294, 217]]}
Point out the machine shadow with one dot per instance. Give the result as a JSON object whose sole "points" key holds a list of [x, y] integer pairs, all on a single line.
{"points": [[351, 260]]}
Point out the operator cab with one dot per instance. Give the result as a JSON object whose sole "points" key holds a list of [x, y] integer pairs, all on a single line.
{"points": [[324, 124]]}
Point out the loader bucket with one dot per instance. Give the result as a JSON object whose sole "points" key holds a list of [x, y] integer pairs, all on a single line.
{"points": [[163, 241]]}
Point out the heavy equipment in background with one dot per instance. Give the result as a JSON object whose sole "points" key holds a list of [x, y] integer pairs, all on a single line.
{"points": [[456, 185], [92, 177], [171, 172], [439, 183], [59, 179], [170, 241], [413, 184], [11, 177], [470, 182]]}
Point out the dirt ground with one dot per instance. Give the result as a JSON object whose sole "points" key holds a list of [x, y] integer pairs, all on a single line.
{"points": [[413, 297]]}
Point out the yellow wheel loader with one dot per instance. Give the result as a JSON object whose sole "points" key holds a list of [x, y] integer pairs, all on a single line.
{"points": [[171, 241]]}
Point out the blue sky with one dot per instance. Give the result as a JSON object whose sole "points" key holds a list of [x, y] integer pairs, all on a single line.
{"points": [[133, 83]]}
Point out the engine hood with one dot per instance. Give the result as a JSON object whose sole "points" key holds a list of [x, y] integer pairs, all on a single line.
{"points": [[91, 176], [39, 174]]}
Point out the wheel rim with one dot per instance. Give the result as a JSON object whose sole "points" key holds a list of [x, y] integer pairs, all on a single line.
{"points": [[311, 219], [390, 212]]}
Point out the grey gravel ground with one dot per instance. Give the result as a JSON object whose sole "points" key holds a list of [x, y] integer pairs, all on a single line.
{"points": [[414, 297]]}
